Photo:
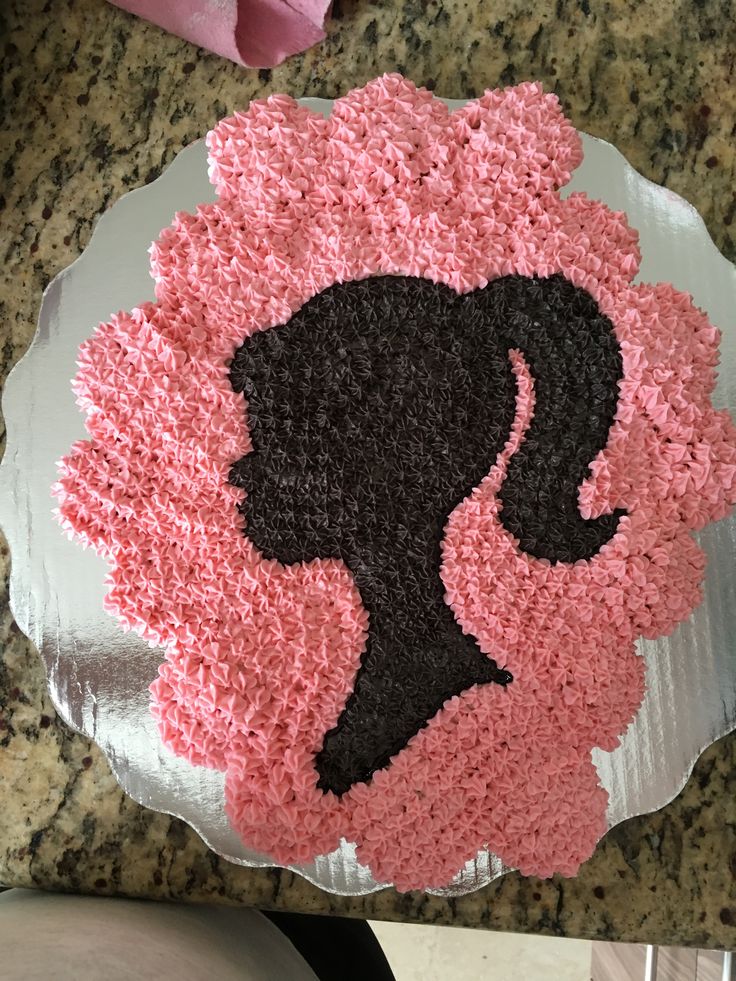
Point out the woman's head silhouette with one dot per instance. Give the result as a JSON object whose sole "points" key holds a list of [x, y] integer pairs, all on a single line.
{"points": [[373, 413]]}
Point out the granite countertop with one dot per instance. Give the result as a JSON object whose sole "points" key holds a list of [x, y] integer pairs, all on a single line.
{"points": [[95, 102]]}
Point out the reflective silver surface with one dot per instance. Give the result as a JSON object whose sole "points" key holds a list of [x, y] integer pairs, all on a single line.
{"points": [[99, 676]]}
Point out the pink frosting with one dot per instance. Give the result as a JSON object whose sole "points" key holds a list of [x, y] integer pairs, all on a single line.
{"points": [[260, 658]]}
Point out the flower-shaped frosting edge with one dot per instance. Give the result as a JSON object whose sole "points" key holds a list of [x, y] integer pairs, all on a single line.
{"points": [[260, 658]]}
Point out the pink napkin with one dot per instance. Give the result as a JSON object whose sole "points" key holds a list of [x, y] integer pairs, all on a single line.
{"points": [[254, 33]]}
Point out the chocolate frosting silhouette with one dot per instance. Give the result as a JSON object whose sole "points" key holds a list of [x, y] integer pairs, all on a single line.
{"points": [[373, 413]]}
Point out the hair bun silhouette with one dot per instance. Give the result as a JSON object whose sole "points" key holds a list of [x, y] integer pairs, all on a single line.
{"points": [[373, 413]]}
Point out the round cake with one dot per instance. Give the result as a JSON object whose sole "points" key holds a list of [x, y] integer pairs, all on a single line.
{"points": [[396, 470]]}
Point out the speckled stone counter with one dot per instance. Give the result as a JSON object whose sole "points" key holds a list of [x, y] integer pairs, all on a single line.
{"points": [[95, 102]]}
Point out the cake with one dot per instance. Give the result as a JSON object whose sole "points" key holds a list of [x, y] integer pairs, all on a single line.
{"points": [[396, 470]]}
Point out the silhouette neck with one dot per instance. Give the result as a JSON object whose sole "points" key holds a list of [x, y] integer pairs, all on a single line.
{"points": [[416, 658]]}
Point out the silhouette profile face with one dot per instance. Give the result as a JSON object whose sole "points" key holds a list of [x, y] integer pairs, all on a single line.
{"points": [[373, 413]]}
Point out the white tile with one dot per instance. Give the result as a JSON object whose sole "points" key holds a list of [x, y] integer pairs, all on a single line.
{"points": [[434, 953]]}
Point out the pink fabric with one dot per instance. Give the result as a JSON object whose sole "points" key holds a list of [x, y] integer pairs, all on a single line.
{"points": [[259, 657], [254, 33]]}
